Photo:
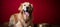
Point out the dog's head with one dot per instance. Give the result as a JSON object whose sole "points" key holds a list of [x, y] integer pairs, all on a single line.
{"points": [[26, 7]]}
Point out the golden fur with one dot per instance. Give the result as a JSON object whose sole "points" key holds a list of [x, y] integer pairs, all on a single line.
{"points": [[17, 19]]}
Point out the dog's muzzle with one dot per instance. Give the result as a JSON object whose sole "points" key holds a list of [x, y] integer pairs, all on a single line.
{"points": [[27, 9], [28, 12]]}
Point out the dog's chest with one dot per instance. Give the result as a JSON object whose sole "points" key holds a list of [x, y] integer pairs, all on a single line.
{"points": [[22, 16], [21, 20]]}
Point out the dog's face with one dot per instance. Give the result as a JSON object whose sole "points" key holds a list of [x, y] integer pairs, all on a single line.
{"points": [[27, 8]]}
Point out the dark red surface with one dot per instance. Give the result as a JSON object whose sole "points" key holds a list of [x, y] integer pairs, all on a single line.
{"points": [[45, 11]]}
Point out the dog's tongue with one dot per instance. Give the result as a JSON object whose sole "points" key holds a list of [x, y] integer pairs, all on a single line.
{"points": [[27, 14]]}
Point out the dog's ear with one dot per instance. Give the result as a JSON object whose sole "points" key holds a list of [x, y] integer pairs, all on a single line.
{"points": [[32, 7], [20, 8]]}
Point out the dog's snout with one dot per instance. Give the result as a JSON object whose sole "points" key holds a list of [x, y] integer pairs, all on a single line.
{"points": [[27, 7]]}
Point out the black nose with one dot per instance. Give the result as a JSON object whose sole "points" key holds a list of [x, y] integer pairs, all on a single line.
{"points": [[27, 9]]}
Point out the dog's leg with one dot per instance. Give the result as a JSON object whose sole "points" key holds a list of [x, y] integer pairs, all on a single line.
{"points": [[12, 21]]}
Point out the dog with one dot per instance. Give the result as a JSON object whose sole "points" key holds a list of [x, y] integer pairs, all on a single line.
{"points": [[24, 17]]}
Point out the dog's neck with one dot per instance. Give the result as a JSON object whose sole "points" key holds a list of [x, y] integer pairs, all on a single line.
{"points": [[30, 16]]}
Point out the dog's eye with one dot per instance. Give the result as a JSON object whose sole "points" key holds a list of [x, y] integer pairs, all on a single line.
{"points": [[24, 5], [29, 5]]}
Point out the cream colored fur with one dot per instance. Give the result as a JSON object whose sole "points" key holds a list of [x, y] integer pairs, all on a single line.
{"points": [[17, 19]]}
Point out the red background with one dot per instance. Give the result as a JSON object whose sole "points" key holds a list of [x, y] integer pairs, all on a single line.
{"points": [[45, 11]]}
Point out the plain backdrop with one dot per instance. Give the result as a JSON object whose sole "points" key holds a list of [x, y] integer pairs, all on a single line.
{"points": [[45, 11]]}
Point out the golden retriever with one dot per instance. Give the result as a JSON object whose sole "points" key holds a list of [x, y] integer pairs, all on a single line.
{"points": [[24, 17]]}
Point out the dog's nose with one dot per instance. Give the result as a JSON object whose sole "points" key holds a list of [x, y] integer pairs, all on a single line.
{"points": [[27, 9]]}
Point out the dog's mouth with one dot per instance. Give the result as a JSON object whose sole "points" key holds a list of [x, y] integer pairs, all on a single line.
{"points": [[27, 16], [26, 13]]}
